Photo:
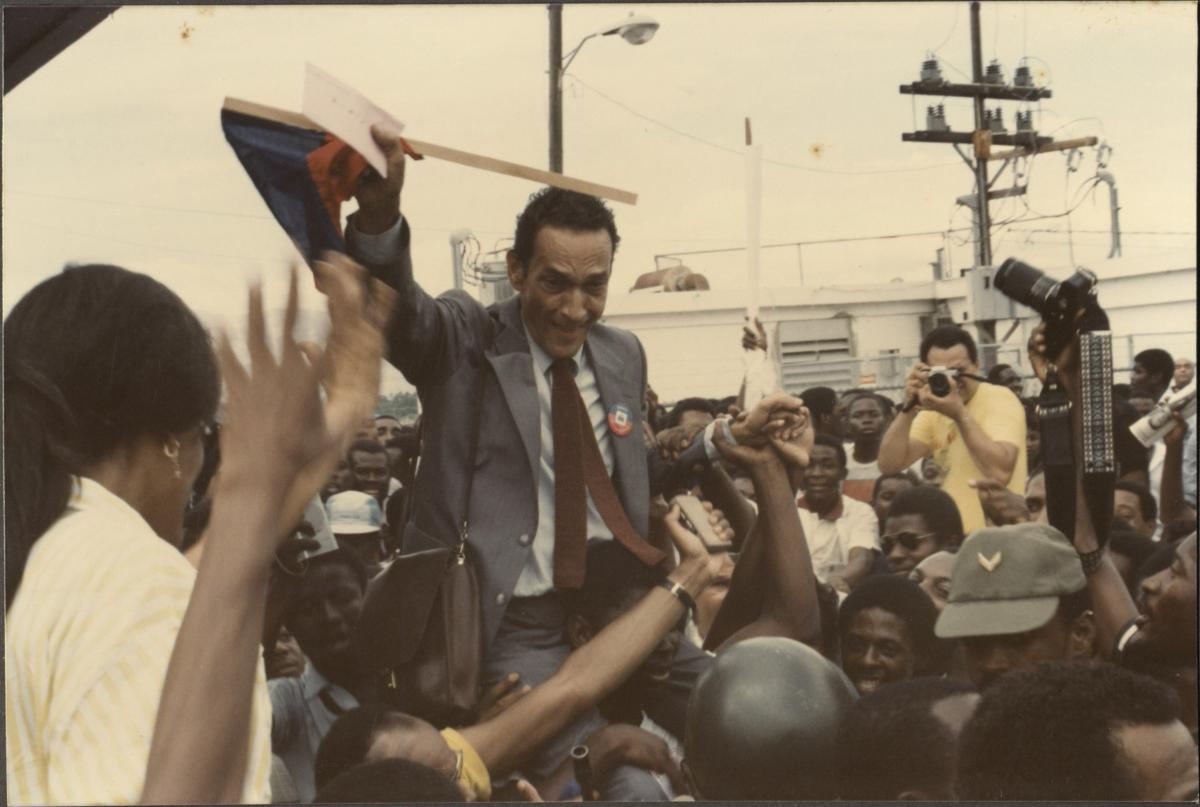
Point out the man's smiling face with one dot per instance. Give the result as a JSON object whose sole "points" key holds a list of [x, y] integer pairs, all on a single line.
{"points": [[564, 287]]}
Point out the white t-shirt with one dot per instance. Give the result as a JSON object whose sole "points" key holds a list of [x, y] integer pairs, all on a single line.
{"points": [[850, 525]]}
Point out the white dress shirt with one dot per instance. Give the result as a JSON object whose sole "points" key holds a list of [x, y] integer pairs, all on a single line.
{"points": [[537, 577]]}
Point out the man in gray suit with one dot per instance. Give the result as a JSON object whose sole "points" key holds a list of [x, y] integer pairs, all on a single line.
{"points": [[516, 357]]}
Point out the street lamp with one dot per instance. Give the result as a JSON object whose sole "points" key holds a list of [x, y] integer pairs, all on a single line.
{"points": [[636, 29]]}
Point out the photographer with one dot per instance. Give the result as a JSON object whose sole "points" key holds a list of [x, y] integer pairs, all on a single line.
{"points": [[976, 430]]}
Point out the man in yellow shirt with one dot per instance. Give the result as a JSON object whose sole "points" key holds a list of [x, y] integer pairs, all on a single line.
{"points": [[975, 430]]}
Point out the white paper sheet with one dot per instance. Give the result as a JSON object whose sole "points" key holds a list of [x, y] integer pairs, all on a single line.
{"points": [[344, 111]]}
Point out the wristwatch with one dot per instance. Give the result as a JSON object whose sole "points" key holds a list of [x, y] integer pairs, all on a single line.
{"points": [[680, 593]]}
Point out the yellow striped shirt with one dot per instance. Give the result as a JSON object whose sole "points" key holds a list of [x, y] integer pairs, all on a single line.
{"points": [[87, 643]]}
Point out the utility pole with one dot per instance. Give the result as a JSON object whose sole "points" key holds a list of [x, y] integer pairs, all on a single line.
{"points": [[556, 118], [987, 304]]}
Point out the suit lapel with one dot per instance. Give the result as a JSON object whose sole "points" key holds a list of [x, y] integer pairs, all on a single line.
{"points": [[510, 358], [614, 381]]}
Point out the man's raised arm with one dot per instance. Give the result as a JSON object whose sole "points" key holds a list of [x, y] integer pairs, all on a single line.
{"points": [[899, 449], [426, 337]]}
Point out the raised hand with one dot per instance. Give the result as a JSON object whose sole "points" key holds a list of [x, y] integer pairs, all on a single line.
{"points": [[754, 338], [379, 197], [797, 450], [745, 456], [777, 414], [1000, 504]]}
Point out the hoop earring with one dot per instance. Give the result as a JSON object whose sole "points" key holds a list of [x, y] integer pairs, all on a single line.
{"points": [[171, 451]]}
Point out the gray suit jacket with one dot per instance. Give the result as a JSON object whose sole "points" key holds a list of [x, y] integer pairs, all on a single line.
{"points": [[446, 347]]}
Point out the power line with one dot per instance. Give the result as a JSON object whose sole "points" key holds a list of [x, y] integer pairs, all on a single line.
{"points": [[740, 153], [200, 211]]}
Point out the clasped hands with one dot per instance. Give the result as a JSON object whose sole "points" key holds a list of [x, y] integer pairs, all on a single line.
{"points": [[776, 428]]}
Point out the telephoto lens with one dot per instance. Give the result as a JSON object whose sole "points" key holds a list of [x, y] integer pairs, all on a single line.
{"points": [[1028, 286]]}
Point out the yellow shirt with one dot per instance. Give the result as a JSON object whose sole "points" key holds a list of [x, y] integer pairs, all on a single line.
{"points": [[87, 643], [471, 772], [1001, 416]]}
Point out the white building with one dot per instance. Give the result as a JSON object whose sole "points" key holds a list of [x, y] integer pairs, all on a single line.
{"points": [[853, 335]]}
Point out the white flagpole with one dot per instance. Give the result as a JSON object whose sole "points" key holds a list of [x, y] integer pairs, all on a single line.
{"points": [[753, 219]]}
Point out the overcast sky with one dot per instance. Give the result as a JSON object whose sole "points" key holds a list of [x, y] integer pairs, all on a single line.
{"points": [[114, 152]]}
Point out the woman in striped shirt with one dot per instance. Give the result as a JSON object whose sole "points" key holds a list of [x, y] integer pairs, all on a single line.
{"points": [[129, 676]]}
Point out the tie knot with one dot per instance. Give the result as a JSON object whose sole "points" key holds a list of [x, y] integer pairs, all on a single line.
{"points": [[560, 368]]}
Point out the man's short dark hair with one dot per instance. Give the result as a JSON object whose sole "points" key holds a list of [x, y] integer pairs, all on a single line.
{"points": [[946, 337], [687, 405], [938, 509], [389, 781], [898, 596], [891, 742], [834, 443], [350, 738], [1157, 362], [613, 574], [1146, 503], [906, 475], [885, 404], [1125, 540], [568, 210], [993, 375], [819, 400], [366, 445], [1046, 733]]}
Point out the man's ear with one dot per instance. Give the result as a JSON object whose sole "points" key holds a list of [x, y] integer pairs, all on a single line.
{"points": [[577, 630], [516, 272], [1081, 640]]}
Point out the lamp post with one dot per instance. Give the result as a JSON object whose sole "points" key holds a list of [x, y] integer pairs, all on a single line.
{"points": [[636, 29]]}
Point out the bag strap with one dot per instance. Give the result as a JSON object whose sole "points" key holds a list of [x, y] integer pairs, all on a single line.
{"points": [[1058, 456], [476, 420]]}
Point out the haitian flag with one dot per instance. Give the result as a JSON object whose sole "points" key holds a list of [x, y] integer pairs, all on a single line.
{"points": [[304, 175]]}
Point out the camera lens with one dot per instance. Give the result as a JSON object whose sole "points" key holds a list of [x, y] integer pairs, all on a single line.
{"points": [[939, 384], [1027, 285]]}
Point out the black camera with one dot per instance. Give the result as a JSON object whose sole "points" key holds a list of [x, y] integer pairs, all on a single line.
{"points": [[1057, 302], [940, 379]]}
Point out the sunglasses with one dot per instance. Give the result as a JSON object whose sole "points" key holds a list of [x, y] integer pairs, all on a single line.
{"points": [[910, 541]]}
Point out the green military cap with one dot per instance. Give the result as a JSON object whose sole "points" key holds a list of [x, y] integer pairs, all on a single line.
{"points": [[1009, 580]]}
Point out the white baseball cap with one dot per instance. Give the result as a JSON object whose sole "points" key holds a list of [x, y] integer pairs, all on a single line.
{"points": [[353, 512]]}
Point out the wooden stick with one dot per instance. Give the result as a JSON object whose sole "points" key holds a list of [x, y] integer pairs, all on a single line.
{"points": [[449, 154]]}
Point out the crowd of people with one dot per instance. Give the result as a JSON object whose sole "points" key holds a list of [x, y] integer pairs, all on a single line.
{"points": [[837, 594]]}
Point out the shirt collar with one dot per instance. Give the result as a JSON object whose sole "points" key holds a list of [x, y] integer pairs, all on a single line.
{"points": [[313, 683], [88, 494], [542, 360], [832, 515]]}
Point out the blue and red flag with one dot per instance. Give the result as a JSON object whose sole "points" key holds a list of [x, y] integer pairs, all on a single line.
{"points": [[303, 175]]}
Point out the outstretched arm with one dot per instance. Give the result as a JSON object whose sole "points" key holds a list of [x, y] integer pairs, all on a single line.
{"points": [[1112, 604], [279, 445], [426, 337], [784, 572], [596, 668]]}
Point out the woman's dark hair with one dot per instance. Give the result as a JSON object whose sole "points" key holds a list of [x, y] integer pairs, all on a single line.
{"points": [[95, 357], [936, 507], [568, 210]]}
